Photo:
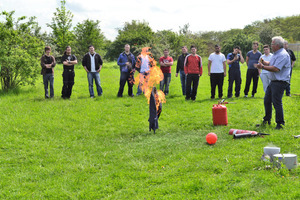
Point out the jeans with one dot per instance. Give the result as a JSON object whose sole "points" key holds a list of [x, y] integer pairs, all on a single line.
{"points": [[96, 76], [251, 74], [192, 78], [216, 79], [126, 77], [165, 82], [273, 96], [68, 82], [46, 79], [288, 87], [265, 80], [183, 81]]}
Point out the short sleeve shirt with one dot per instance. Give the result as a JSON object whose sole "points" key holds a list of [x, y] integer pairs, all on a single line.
{"points": [[217, 61], [281, 60], [253, 59], [166, 60]]}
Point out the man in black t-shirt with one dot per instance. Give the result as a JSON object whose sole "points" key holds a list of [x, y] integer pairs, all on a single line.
{"points": [[47, 64], [68, 61]]}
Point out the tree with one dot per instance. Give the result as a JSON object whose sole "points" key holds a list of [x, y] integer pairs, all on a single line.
{"points": [[20, 51], [61, 27], [242, 40], [136, 34], [88, 33]]}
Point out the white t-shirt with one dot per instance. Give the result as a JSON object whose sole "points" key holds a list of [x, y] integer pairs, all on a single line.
{"points": [[266, 58], [217, 62]]}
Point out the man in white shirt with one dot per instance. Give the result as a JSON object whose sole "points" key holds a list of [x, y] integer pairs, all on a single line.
{"points": [[216, 71], [264, 73]]}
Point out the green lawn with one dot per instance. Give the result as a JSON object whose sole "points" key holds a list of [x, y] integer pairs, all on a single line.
{"points": [[101, 148]]}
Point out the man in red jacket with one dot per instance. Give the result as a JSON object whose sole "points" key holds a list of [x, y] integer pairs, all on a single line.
{"points": [[193, 71]]}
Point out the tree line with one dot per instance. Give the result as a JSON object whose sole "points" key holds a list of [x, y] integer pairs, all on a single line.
{"points": [[22, 40]]}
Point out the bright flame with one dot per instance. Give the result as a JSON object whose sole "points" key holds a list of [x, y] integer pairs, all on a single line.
{"points": [[151, 78]]}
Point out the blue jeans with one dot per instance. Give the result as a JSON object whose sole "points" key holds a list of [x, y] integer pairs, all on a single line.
{"points": [[183, 81], [273, 96], [46, 79], [96, 76], [165, 82]]}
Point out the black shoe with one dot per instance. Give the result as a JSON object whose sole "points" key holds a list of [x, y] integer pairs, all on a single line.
{"points": [[279, 126], [252, 95], [119, 95], [264, 123], [229, 96], [131, 95]]}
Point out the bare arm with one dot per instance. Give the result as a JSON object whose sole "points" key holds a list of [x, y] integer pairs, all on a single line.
{"points": [[268, 68], [224, 67], [242, 58], [208, 66], [247, 60]]}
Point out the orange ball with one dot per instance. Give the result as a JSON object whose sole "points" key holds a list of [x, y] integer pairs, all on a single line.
{"points": [[211, 138]]}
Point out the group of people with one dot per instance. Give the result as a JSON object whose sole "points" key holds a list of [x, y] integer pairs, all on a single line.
{"points": [[274, 69]]}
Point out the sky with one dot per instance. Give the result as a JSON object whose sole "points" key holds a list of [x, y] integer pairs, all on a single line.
{"points": [[217, 15]]}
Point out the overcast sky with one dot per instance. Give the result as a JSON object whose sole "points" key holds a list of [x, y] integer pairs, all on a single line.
{"points": [[217, 15]]}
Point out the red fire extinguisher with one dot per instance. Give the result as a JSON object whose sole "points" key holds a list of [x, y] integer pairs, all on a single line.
{"points": [[219, 112], [244, 133]]}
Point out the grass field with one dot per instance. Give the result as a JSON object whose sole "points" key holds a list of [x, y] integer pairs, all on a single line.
{"points": [[101, 148]]}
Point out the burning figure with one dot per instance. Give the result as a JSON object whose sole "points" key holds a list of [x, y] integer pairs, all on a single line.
{"points": [[150, 76]]}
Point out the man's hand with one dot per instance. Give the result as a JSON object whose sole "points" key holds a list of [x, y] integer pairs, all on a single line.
{"points": [[208, 73], [48, 66], [224, 74], [176, 75], [258, 66]]}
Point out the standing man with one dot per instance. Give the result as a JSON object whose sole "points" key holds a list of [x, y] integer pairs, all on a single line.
{"points": [[279, 68], [233, 61], [264, 73], [165, 65], [126, 61], [252, 73], [48, 63], [69, 61], [293, 59], [92, 63], [180, 68], [216, 71], [193, 71]]}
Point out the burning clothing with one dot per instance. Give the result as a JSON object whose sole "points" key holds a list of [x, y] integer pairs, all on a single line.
{"points": [[155, 108]]}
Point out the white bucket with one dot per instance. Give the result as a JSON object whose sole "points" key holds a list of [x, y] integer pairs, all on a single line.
{"points": [[271, 151], [290, 160]]}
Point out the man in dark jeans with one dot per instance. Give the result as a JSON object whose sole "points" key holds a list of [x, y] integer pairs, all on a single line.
{"points": [[68, 61], [180, 68], [234, 72], [293, 60], [92, 63], [279, 68], [48, 63], [252, 73], [193, 71], [126, 61]]}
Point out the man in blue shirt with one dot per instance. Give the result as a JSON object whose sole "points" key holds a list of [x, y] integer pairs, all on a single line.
{"points": [[233, 60], [279, 68], [126, 61], [252, 73]]}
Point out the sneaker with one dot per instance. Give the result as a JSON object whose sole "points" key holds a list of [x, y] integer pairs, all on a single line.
{"points": [[279, 126], [229, 96], [252, 96], [92, 97], [288, 95], [131, 95], [246, 96]]}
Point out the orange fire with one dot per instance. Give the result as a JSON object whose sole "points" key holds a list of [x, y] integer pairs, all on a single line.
{"points": [[151, 78]]}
